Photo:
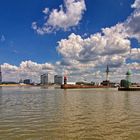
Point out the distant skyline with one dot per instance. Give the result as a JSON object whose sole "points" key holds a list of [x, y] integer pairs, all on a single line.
{"points": [[76, 37]]}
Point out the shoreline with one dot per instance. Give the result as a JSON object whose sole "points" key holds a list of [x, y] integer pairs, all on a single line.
{"points": [[15, 85]]}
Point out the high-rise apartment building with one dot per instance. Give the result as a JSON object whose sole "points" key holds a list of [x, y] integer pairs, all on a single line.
{"points": [[58, 79], [44, 79]]}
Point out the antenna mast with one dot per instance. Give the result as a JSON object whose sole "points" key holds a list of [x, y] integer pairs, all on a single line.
{"points": [[107, 73]]}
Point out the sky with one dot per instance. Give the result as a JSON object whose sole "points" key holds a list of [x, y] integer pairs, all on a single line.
{"points": [[77, 38]]}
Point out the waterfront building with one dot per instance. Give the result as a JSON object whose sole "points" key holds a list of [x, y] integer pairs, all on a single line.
{"points": [[0, 75], [123, 83], [105, 83], [126, 82], [58, 79], [27, 81], [128, 78], [44, 79], [20, 81]]}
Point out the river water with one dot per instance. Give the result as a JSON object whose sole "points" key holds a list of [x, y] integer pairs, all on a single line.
{"points": [[54, 114]]}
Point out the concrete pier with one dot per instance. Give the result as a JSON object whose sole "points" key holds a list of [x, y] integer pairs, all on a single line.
{"points": [[129, 89]]}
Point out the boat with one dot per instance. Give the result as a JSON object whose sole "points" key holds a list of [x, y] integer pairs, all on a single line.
{"points": [[70, 86]]}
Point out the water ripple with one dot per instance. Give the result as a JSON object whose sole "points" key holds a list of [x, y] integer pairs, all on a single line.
{"points": [[40, 114]]}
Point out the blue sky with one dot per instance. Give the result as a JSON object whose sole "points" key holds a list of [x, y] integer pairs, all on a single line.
{"points": [[23, 38], [22, 43]]}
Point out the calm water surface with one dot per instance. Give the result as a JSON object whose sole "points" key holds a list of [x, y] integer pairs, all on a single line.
{"points": [[55, 114]]}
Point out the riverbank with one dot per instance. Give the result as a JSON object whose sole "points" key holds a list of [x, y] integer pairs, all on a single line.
{"points": [[14, 85]]}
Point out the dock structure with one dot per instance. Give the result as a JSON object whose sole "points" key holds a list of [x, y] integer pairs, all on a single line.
{"points": [[129, 89]]}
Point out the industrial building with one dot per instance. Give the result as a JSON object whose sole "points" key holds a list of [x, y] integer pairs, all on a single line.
{"points": [[58, 79], [44, 79], [27, 81]]}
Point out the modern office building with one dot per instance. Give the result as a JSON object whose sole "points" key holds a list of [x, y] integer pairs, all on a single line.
{"points": [[0, 76], [44, 79], [58, 79]]}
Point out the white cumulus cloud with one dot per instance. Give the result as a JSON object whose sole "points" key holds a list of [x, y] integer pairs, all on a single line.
{"points": [[110, 46], [133, 21], [136, 4], [26, 69], [64, 18]]}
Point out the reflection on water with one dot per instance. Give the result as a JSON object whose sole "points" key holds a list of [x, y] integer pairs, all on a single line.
{"points": [[40, 114]]}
